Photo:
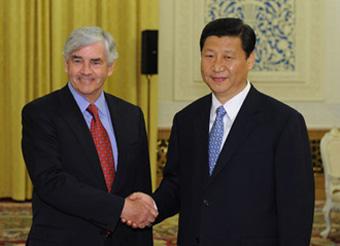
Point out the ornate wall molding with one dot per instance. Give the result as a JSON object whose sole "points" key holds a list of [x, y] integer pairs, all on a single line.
{"points": [[274, 23], [289, 45]]}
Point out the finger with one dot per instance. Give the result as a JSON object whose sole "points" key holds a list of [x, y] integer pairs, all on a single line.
{"points": [[152, 219], [149, 225], [137, 195], [154, 213], [145, 225], [148, 205], [154, 205], [133, 197], [135, 226]]}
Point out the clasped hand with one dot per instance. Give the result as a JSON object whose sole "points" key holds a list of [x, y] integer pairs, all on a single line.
{"points": [[139, 210]]}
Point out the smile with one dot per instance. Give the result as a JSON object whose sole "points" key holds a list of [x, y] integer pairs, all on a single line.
{"points": [[218, 79], [85, 80]]}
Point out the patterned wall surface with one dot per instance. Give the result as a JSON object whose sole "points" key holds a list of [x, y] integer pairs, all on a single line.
{"points": [[316, 155], [274, 23], [162, 151]]}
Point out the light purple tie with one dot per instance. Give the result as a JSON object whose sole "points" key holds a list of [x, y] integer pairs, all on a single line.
{"points": [[215, 138]]}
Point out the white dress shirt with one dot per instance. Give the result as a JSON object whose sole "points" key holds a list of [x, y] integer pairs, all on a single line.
{"points": [[232, 107]]}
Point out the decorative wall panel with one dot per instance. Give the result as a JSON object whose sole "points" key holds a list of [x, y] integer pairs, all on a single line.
{"points": [[287, 50], [274, 24]]}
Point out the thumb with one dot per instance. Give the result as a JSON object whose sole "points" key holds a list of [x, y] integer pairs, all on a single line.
{"points": [[134, 196]]}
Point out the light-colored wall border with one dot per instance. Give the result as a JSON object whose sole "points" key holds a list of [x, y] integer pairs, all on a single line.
{"points": [[321, 112], [299, 85]]}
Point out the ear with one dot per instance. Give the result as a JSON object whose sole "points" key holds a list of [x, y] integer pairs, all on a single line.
{"points": [[65, 66], [251, 60], [111, 68]]}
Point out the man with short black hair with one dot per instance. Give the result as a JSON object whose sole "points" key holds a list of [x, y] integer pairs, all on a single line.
{"points": [[239, 168]]}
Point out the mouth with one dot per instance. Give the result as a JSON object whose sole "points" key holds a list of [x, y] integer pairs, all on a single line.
{"points": [[85, 80], [218, 79]]}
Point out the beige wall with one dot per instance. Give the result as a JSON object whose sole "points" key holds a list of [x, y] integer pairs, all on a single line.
{"points": [[319, 103]]}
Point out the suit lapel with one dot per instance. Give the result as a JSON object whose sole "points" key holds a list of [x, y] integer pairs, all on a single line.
{"points": [[202, 133], [69, 110], [245, 122], [122, 139]]}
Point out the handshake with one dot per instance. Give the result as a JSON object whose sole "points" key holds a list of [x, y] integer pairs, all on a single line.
{"points": [[139, 210]]}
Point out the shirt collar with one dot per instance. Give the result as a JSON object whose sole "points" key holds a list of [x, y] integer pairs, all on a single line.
{"points": [[232, 106], [83, 103]]}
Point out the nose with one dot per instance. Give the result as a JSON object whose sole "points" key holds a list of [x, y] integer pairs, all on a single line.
{"points": [[86, 68], [219, 65]]}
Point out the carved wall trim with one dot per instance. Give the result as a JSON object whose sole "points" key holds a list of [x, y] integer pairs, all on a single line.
{"points": [[303, 83]]}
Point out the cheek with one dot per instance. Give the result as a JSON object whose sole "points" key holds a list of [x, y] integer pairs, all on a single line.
{"points": [[72, 71], [101, 73], [237, 69], [205, 68], [202, 70], [233, 67]]}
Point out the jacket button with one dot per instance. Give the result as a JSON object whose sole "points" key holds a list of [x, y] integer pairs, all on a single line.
{"points": [[197, 239], [206, 203], [107, 234]]}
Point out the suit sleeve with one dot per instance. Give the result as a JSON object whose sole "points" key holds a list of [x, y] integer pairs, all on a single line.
{"points": [[167, 196], [143, 177], [52, 184], [294, 184]]}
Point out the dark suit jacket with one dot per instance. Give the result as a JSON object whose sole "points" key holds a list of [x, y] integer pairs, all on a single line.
{"points": [[261, 192], [71, 205]]}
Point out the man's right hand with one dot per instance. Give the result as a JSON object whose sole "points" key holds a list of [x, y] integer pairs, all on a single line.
{"points": [[139, 210]]}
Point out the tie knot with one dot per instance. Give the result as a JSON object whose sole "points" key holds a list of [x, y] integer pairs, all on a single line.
{"points": [[220, 112], [92, 109]]}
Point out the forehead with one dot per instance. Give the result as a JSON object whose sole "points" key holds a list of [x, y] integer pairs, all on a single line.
{"points": [[95, 50], [223, 42]]}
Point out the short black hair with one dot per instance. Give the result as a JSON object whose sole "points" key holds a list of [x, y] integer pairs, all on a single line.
{"points": [[230, 27]]}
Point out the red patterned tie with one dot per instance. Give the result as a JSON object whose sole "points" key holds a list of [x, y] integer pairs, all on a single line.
{"points": [[103, 145]]}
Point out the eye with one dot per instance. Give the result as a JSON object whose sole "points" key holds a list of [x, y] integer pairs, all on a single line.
{"points": [[208, 55], [96, 62], [76, 60]]}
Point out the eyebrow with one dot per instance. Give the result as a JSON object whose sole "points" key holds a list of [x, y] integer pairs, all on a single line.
{"points": [[97, 59], [76, 57], [213, 50]]}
